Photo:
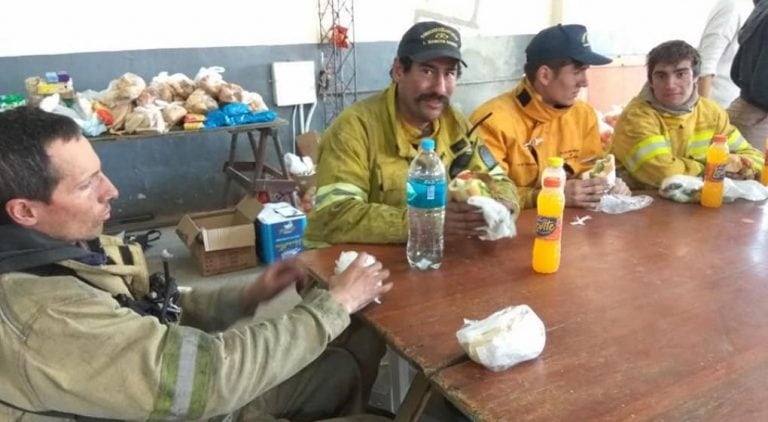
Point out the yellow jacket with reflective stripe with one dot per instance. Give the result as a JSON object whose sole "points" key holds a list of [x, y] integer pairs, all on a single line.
{"points": [[653, 145], [67, 348], [362, 168], [524, 132]]}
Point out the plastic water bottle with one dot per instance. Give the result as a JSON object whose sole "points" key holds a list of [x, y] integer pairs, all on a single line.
{"points": [[717, 157], [549, 223], [426, 192]]}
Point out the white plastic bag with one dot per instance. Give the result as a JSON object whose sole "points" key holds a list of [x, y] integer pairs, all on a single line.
{"points": [[504, 339]]}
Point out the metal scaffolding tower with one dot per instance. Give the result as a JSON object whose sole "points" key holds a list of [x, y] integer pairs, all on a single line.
{"points": [[337, 85]]}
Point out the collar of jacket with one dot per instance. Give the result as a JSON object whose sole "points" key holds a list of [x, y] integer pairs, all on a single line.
{"points": [[23, 249], [533, 104], [647, 94], [405, 148]]}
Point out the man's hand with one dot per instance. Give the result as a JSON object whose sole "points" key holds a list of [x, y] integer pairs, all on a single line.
{"points": [[358, 285], [272, 281], [620, 188], [585, 193], [462, 219]]}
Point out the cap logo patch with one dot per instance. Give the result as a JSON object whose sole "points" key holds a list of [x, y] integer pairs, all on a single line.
{"points": [[440, 36], [584, 40]]}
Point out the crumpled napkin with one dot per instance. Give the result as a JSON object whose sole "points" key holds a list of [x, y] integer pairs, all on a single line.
{"points": [[299, 166], [497, 216], [618, 204], [346, 258], [504, 339], [687, 189]]}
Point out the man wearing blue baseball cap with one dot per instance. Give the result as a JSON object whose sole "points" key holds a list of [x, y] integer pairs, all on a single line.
{"points": [[542, 118], [364, 155]]}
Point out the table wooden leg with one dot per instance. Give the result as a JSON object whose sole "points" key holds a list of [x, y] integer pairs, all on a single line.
{"points": [[416, 399], [231, 162], [279, 149]]}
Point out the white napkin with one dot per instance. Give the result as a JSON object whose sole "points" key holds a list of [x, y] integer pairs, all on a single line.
{"points": [[299, 166], [618, 204], [750, 190], [504, 339], [497, 216], [346, 258]]}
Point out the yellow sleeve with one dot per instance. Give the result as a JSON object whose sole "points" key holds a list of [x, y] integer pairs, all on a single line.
{"points": [[342, 211]]}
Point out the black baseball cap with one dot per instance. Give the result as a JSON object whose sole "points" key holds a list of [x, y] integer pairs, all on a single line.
{"points": [[563, 42], [430, 40]]}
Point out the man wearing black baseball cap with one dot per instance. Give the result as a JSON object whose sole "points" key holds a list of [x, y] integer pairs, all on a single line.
{"points": [[364, 155], [542, 118]]}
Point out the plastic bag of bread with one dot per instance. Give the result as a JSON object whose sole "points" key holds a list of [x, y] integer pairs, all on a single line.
{"points": [[603, 167], [147, 97], [161, 85], [200, 102], [470, 183], [119, 112], [209, 79], [254, 101], [231, 93], [182, 86], [173, 113], [145, 120]]}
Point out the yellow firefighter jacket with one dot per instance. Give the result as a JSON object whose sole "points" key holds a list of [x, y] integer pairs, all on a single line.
{"points": [[652, 144], [524, 131], [363, 165], [67, 349]]}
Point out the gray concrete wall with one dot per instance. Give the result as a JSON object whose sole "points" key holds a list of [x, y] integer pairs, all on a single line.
{"points": [[173, 175]]}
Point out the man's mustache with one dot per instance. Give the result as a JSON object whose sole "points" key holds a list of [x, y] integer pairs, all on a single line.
{"points": [[428, 97]]}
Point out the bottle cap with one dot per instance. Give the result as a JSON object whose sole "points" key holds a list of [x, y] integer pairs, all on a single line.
{"points": [[555, 161], [719, 138], [428, 144], [551, 182]]}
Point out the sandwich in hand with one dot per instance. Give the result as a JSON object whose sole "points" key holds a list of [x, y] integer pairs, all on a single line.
{"points": [[469, 183]]}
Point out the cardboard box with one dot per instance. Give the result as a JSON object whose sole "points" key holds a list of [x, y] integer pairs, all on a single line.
{"points": [[224, 240], [308, 144], [281, 231]]}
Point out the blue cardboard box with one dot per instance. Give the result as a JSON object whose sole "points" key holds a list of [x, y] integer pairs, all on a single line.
{"points": [[280, 232]]}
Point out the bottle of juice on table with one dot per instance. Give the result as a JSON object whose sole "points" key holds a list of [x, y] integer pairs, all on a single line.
{"points": [[550, 205], [717, 157], [764, 174]]}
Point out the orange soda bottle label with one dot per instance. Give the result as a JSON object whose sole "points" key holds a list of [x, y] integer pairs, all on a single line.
{"points": [[714, 172], [548, 228]]}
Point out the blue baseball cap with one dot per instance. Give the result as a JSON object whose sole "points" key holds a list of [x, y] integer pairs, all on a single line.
{"points": [[563, 42]]}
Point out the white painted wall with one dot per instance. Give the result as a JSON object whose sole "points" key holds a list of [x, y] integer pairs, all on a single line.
{"points": [[84, 26]]}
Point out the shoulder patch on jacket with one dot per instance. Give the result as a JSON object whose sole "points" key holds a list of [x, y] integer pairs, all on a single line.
{"points": [[487, 156]]}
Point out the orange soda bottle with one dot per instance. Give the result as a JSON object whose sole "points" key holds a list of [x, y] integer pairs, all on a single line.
{"points": [[714, 173], [764, 173], [549, 223]]}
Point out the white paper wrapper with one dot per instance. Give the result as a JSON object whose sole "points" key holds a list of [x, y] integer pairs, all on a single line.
{"points": [[346, 258], [504, 339]]}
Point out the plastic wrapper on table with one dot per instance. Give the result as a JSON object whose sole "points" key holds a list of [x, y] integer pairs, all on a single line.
{"points": [[504, 339]]}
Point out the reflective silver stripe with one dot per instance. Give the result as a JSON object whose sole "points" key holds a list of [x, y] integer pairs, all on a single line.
{"points": [[700, 146], [185, 375], [736, 144], [647, 152]]}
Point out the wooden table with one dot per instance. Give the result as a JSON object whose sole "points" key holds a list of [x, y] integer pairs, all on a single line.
{"points": [[661, 312]]}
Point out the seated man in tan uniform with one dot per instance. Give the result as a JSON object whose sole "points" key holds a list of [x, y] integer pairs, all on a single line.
{"points": [[85, 333], [541, 118], [364, 155]]}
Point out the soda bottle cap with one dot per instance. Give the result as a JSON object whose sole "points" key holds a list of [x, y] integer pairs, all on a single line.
{"points": [[551, 182], [428, 144], [555, 161], [719, 138]]}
